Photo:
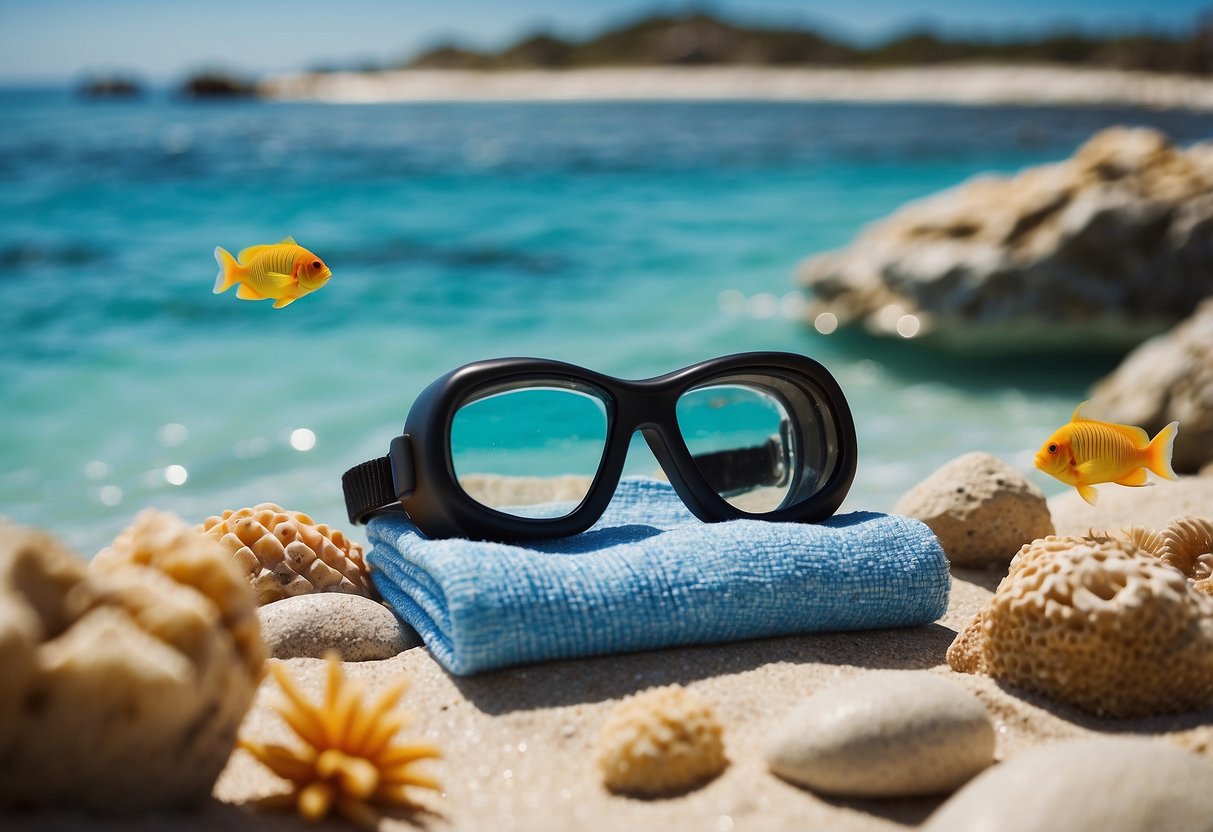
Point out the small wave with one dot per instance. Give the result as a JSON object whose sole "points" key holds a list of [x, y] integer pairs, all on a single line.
{"points": [[413, 252], [18, 256]]}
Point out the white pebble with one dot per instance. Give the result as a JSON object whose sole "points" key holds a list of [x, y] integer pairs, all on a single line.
{"points": [[884, 734]]}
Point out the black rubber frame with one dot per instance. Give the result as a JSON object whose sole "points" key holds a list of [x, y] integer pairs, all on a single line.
{"points": [[423, 477]]}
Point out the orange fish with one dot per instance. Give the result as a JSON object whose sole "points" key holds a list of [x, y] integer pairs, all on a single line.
{"points": [[283, 272], [1085, 452]]}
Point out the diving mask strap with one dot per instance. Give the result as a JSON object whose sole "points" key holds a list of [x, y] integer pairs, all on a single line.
{"points": [[368, 487]]}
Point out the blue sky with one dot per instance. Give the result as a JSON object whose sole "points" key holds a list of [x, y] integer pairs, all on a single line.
{"points": [[162, 40]]}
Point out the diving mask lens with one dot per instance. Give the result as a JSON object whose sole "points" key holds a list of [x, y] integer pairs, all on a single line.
{"points": [[761, 443], [532, 450]]}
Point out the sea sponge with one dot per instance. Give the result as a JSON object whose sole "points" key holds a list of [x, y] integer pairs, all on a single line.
{"points": [[661, 741], [124, 683], [348, 762], [1097, 623], [286, 553]]}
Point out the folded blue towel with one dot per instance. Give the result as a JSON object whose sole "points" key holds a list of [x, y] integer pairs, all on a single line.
{"points": [[649, 575]]}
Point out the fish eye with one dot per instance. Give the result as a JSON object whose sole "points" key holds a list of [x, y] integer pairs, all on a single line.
{"points": [[316, 264], [1053, 447]]}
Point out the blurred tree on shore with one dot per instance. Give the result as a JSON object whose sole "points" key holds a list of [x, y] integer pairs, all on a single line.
{"points": [[702, 39]]}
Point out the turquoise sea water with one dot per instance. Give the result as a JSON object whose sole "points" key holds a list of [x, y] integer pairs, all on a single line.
{"points": [[632, 238]]}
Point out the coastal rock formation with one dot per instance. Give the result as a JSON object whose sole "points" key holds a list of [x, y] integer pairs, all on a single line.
{"points": [[1096, 623], [981, 509], [309, 626], [286, 553], [886, 734], [124, 683], [1105, 784], [660, 742], [1107, 247], [1168, 378]]}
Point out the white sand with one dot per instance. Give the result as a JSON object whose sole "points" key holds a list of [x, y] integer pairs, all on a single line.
{"points": [[519, 742], [956, 84]]}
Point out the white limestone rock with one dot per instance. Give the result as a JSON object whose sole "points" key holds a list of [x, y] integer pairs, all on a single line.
{"points": [[1108, 247]]}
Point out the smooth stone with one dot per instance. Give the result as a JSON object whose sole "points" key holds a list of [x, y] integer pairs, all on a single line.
{"points": [[884, 734], [307, 626], [1103, 784], [981, 509]]}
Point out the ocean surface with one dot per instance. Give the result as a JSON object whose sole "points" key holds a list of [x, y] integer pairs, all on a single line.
{"points": [[633, 238]]}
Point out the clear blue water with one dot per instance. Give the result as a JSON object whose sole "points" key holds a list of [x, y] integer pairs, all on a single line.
{"points": [[632, 238]]}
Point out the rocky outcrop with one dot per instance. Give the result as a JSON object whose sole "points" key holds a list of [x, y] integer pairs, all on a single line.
{"points": [[1103, 249], [1168, 378]]}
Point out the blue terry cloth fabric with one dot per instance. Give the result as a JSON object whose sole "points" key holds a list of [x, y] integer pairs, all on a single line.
{"points": [[648, 575]]}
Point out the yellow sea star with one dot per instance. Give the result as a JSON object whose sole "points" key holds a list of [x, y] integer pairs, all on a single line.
{"points": [[348, 762]]}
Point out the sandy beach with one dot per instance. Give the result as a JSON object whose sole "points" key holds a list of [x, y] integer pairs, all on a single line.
{"points": [[519, 743], [952, 84]]}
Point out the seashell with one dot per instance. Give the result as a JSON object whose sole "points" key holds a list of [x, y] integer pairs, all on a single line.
{"points": [[662, 741], [286, 553], [1149, 542], [1188, 546], [1095, 622], [348, 762]]}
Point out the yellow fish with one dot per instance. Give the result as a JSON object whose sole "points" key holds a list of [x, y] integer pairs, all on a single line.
{"points": [[282, 271], [1085, 452]]}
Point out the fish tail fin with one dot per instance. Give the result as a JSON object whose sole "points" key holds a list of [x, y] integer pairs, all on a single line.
{"points": [[229, 270], [1088, 493], [1159, 451]]}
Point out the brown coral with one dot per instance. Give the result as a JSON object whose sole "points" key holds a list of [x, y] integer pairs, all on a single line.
{"points": [[348, 762], [661, 741], [286, 553], [1095, 622], [123, 683]]}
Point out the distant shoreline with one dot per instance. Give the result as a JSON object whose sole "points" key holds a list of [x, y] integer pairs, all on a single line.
{"points": [[975, 85]]}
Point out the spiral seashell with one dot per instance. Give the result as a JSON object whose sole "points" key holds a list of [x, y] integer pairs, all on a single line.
{"points": [[1149, 542], [286, 553], [1188, 546]]}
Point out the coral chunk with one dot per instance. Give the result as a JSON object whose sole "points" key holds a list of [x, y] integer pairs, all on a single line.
{"points": [[124, 683], [286, 553], [659, 742], [1097, 623]]}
